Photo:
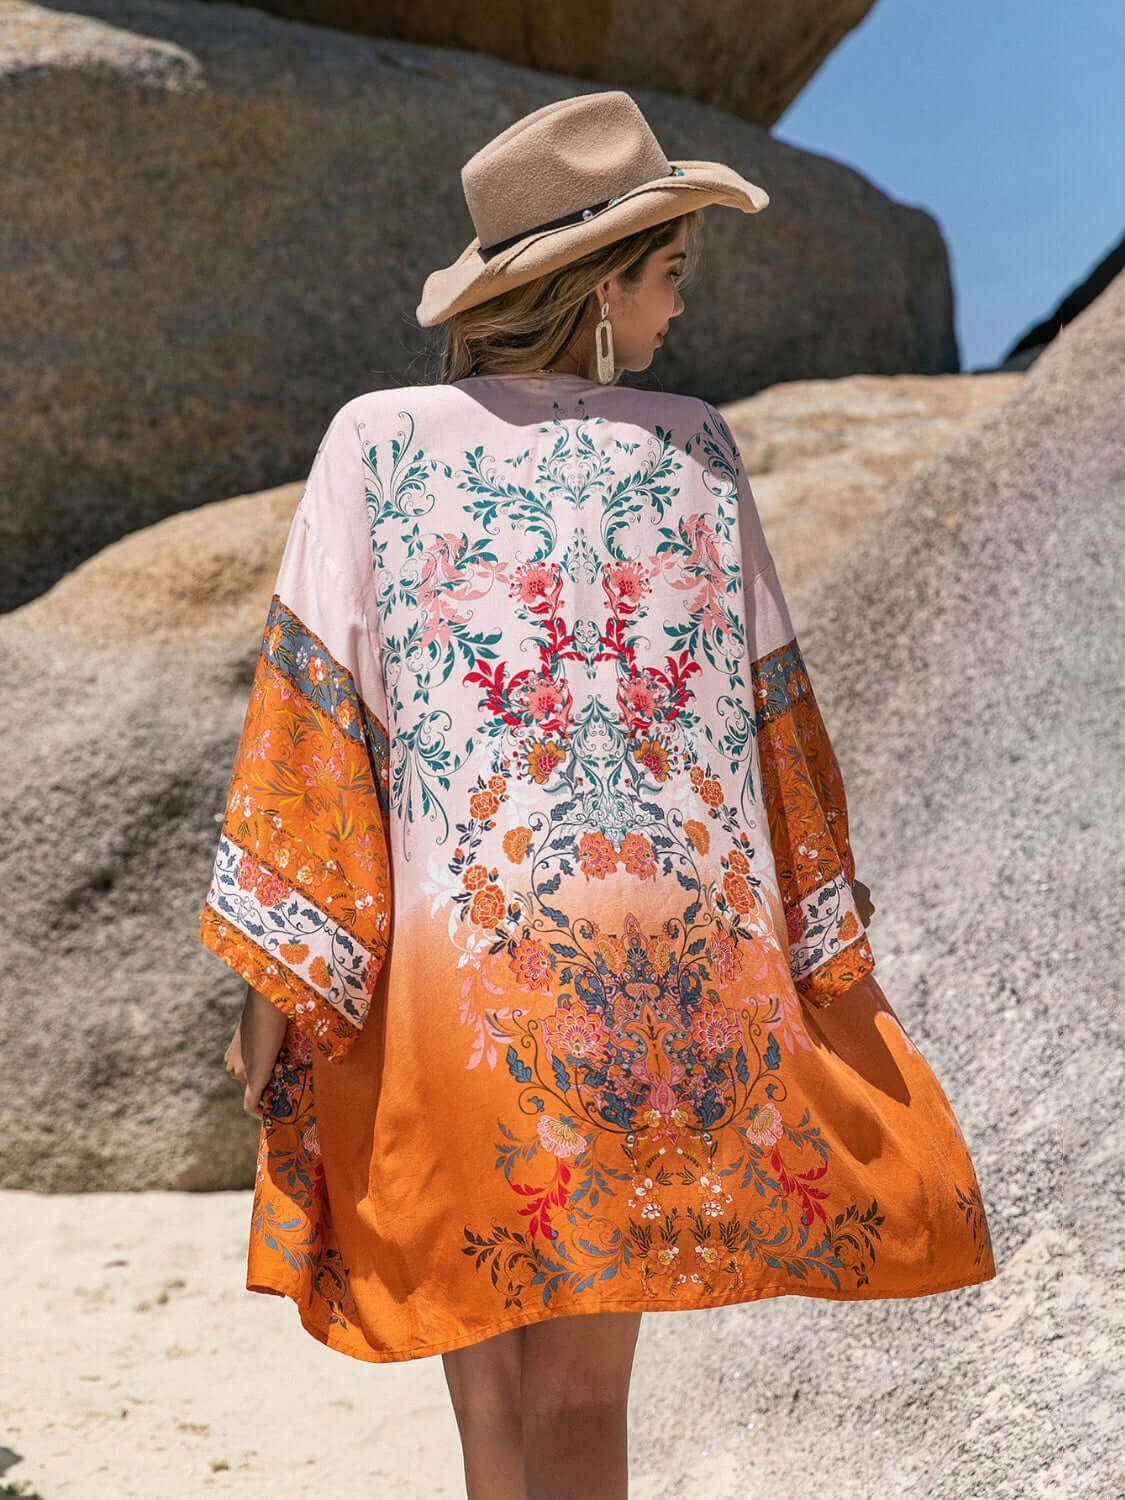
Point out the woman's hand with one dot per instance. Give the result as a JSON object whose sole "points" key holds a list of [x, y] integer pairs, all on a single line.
{"points": [[864, 904], [254, 1047]]}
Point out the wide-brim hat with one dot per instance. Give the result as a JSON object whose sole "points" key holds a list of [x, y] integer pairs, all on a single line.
{"points": [[563, 181]]}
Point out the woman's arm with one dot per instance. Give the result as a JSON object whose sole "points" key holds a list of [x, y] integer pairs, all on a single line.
{"points": [[254, 1047]]}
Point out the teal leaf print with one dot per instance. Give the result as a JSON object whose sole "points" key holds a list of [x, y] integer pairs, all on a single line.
{"points": [[524, 508], [519, 1071], [647, 488]]}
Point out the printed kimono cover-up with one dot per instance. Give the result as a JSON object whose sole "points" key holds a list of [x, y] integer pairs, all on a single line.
{"points": [[536, 835]]}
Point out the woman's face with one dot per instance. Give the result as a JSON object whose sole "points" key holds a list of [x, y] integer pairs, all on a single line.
{"points": [[640, 312]]}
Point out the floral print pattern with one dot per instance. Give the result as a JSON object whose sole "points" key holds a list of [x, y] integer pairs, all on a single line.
{"points": [[569, 1066], [300, 896]]}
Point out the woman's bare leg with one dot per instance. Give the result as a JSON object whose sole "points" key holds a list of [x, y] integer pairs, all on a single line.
{"points": [[543, 1410], [575, 1403], [484, 1384]]}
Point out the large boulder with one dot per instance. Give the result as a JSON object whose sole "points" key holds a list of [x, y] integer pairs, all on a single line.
{"points": [[215, 226], [970, 666], [749, 59], [828, 459], [1027, 349], [127, 683]]}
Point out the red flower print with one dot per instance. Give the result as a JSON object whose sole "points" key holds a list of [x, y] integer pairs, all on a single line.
{"points": [[542, 761], [576, 1032], [799, 1184], [543, 698], [270, 891], [596, 855], [249, 873], [653, 756], [532, 965], [475, 878], [714, 1029], [636, 855], [544, 1199], [537, 587], [299, 1045], [625, 585], [738, 861], [712, 793], [640, 699], [794, 924]]}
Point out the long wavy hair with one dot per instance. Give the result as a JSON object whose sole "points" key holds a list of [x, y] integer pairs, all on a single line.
{"points": [[530, 325]]}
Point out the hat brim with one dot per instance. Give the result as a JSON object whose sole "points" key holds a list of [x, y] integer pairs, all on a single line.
{"points": [[471, 279]]}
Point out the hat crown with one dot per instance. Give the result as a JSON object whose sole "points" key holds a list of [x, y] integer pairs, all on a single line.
{"points": [[561, 159]]}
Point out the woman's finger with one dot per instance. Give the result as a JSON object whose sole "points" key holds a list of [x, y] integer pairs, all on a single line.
{"points": [[254, 1095], [232, 1059]]}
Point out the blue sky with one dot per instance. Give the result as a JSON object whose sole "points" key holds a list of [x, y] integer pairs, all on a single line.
{"points": [[1004, 119]]}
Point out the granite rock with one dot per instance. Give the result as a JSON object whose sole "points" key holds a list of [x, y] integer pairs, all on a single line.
{"points": [[970, 669], [829, 459], [129, 681], [750, 60], [215, 227]]}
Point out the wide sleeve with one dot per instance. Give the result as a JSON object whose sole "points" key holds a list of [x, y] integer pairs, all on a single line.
{"points": [[801, 781], [299, 902]]}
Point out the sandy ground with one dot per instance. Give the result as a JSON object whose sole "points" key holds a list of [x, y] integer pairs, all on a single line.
{"points": [[135, 1364]]}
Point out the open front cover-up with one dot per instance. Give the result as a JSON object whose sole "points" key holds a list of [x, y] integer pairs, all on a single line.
{"points": [[537, 836]]}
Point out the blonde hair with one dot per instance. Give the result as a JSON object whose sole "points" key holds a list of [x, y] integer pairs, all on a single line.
{"points": [[530, 325]]}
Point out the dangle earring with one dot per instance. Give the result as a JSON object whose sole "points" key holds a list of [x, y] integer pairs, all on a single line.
{"points": [[605, 354]]}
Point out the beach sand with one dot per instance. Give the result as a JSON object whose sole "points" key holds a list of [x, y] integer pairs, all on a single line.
{"points": [[136, 1366]]}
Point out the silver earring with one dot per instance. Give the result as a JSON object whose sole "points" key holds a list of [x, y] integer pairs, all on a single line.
{"points": [[603, 342]]}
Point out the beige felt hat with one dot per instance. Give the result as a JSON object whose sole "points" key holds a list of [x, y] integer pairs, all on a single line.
{"points": [[567, 179]]}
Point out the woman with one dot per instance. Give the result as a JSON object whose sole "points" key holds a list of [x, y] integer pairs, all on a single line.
{"points": [[536, 859]]}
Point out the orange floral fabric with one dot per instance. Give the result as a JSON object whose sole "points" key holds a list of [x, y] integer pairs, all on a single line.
{"points": [[808, 823], [536, 835], [300, 899]]}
